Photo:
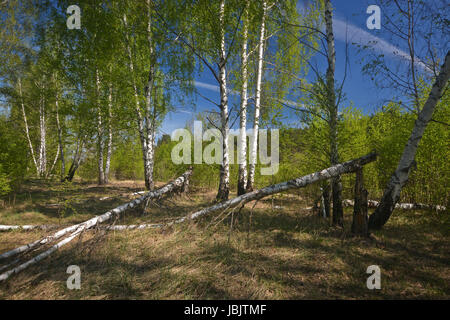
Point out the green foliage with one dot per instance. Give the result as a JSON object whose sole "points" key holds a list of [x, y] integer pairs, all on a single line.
{"points": [[4, 183], [388, 132], [13, 156], [127, 163], [53, 62]]}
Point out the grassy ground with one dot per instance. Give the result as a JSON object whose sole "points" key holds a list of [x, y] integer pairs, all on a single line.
{"points": [[289, 253]]}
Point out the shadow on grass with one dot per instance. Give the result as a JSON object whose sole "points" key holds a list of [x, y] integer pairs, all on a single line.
{"points": [[292, 254]]}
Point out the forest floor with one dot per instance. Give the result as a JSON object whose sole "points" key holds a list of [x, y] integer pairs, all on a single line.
{"points": [[289, 253]]}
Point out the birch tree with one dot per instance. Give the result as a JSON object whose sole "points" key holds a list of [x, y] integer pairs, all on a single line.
{"points": [[164, 65], [426, 48], [110, 134], [259, 75], [242, 152], [100, 145], [323, 98], [277, 65], [25, 120], [60, 131], [224, 183], [400, 177], [338, 213], [212, 34]]}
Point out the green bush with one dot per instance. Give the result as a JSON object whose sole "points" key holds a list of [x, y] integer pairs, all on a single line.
{"points": [[5, 187]]}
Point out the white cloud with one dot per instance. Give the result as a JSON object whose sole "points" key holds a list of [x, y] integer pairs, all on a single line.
{"points": [[363, 37], [208, 86], [213, 87], [182, 111]]}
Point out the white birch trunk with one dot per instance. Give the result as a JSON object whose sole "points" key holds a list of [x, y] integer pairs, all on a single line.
{"points": [[100, 144], [78, 228], [27, 131], [400, 177], [403, 206], [42, 136], [94, 221], [325, 174], [150, 115], [139, 119], [254, 137], [25, 227], [38, 258], [53, 164], [149, 160], [110, 136], [60, 142], [242, 152], [224, 184]]}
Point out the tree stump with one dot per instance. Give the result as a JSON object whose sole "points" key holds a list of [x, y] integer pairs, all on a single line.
{"points": [[360, 215]]}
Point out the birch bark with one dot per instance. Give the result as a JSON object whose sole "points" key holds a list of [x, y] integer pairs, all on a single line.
{"points": [[60, 142], [242, 153], [139, 117], [392, 192], [325, 174], [27, 130], [224, 183], [100, 144], [150, 107], [110, 136], [78, 228], [254, 137], [42, 138]]}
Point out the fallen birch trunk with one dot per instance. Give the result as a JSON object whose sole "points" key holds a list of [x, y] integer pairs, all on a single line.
{"points": [[27, 227], [404, 206], [46, 227], [346, 167], [325, 174], [38, 258], [177, 183], [138, 193], [134, 226]]}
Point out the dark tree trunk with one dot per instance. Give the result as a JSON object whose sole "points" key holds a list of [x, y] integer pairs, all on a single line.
{"points": [[326, 200], [360, 217], [338, 211]]}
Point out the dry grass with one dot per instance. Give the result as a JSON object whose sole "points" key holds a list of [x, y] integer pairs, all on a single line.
{"points": [[289, 254]]}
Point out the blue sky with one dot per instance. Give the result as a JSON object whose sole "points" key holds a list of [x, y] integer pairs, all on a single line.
{"points": [[349, 19]]}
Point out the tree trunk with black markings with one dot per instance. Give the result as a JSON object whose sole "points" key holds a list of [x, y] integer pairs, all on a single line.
{"points": [[77, 229], [392, 192], [224, 183], [242, 152], [325, 174], [254, 138]]}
